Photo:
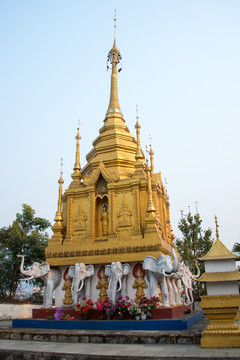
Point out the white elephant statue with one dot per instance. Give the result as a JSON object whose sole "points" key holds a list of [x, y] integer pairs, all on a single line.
{"points": [[158, 270], [116, 271], [81, 286], [186, 282], [51, 278], [177, 288]]}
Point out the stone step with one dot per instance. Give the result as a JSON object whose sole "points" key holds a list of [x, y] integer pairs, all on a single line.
{"points": [[102, 337], [32, 350]]}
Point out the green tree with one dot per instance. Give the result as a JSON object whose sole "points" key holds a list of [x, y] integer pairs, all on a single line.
{"points": [[194, 244], [27, 236], [236, 247]]}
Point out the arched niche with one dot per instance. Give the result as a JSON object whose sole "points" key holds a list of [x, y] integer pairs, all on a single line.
{"points": [[101, 208]]}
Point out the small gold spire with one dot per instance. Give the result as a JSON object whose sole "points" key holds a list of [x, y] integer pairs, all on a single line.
{"points": [[150, 207], [139, 155], [151, 153], [217, 226], [77, 167], [58, 216], [114, 58]]}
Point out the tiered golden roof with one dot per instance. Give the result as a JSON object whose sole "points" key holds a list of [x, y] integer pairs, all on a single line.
{"points": [[115, 208], [219, 252]]}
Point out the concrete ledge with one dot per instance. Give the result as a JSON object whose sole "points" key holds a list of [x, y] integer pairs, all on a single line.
{"points": [[150, 325], [15, 311]]}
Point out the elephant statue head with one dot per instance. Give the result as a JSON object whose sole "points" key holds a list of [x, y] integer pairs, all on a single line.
{"points": [[186, 278], [35, 270], [80, 287], [157, 272], [51, 278], [116, 271]]}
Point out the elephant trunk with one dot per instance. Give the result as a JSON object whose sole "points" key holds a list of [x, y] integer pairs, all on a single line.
{"points": [[176, 262], [25, 272], [30, 278], [120, 284], [198, 272], [81, 285]]}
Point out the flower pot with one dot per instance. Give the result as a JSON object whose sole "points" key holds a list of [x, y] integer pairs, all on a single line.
{"points": [[137, 317], [143, 316]]}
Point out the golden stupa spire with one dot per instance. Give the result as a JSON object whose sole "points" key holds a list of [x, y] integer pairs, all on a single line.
{"points": [[77, 167], [217, 226], [139, 155], [151, 153], [58, 216], [114, 58], [150, 207]]}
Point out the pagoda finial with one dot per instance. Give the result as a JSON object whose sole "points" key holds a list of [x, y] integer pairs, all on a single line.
{"points": [[150, 207], [151, 153], [139, 155], [217, 226], [114, 58], [115, 25], [58, 216], [77, 167]]}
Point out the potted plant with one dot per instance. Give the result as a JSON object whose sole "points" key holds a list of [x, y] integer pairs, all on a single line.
{"points": [[122, 305], [108, 308], [146, 305], [86, 308], [135, 310]]}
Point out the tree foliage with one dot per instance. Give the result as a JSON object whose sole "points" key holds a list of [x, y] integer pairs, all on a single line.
{"points": [[236, 247], [194, 244], [26, 236]]}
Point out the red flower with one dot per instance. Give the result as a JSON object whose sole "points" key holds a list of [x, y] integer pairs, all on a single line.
{"points": [[84, 298], [85, 309]]}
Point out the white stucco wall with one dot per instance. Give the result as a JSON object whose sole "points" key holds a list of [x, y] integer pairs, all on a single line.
{"points": [[222, 288], [13, 311], [220, 265]]}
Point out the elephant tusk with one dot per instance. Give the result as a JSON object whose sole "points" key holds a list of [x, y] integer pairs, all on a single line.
{"points": [[165, 273], [109, 284], [120, 285], [30, 278], [81, 286]]}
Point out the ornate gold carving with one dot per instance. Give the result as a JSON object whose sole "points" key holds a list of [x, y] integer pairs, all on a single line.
{"points": [[115, 250], [222, 330], [80, 219], [124, 215], [106, 174]]}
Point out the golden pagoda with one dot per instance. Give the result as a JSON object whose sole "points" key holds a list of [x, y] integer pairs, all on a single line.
{"points": [[116, 208]]}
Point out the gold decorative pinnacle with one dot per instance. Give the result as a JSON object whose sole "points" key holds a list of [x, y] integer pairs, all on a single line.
{"points": [[217, 226], [114, 58], [77, 167], [139, 155], [151, 153], [58, 216], [150, 207]]}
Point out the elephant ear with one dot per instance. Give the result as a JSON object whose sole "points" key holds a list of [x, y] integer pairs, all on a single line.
{"points": [[71, 271], [90, 270], [126, 269], [108, 270], [45, 268], [150, 263]]}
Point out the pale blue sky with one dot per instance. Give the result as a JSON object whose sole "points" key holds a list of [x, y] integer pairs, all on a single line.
{"points": [[180, 65]]}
